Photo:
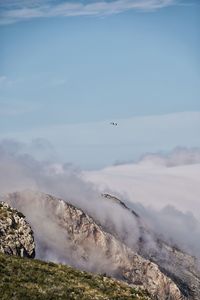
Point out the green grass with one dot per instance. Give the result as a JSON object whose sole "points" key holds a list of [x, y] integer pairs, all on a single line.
{"points": [[22, 279]]}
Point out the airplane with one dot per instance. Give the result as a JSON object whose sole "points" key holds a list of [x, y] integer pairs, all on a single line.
{"points": [[113, 123]]}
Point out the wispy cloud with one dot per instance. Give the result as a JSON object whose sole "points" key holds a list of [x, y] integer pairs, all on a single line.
{"points": [[16, 108], [6, 82], [19, 10], [57, 82]]}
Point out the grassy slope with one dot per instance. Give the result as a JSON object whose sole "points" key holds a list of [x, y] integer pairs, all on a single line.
{"points": [[22, 278]]}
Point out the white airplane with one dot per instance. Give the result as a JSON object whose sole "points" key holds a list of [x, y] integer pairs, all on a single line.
{"points": [[113, 123]]}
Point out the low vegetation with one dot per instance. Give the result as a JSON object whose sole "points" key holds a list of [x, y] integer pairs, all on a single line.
{"points": [[23, 278]]}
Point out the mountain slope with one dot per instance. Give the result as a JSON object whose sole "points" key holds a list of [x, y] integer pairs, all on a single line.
{"points": [[66, 234], [178, 265], [33, 279]]}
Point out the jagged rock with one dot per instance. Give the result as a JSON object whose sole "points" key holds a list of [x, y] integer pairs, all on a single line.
{"points": [[183, 268], [16, 235], [88, 246]]}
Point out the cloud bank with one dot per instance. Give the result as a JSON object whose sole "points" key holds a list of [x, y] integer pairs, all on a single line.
{"points": [[177, 157], [166, 196], [156, 180], [20, 171], [97, 144], [164, 189], [18, 10]]}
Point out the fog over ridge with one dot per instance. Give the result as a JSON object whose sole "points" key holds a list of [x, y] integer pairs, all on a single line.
{"points": [[19, 170]]}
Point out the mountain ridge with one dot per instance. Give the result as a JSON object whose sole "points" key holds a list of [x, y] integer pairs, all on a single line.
{"points": [[88, 246], [175, 263]]}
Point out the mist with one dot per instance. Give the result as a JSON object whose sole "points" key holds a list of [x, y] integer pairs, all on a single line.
{"points": [[163, 188], [21, 169]]}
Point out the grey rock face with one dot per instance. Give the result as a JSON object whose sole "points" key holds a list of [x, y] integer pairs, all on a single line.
{"points": [[77, 239], [178, 265], [16, 235]]}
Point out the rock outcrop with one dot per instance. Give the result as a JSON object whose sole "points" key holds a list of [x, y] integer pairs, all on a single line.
{"points": [[178, 265], [85, 244], [16, 235]]}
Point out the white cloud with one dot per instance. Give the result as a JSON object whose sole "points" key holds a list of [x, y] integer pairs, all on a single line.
{"points": [[4, 81], [15, 11], [164, 190], [57, 82], [171, 192], [156, 180], [98, 144], [15, 108], [3, 78], [180, 156]]}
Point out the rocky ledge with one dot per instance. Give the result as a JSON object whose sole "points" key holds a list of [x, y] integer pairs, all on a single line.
{"points": [[16, 235]]}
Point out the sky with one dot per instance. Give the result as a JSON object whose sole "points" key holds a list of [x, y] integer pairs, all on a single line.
{"points": [[67, 69]]}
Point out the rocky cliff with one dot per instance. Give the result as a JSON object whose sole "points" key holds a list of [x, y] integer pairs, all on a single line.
{"points": [[178, 265], [65, 233], [16, 235]]}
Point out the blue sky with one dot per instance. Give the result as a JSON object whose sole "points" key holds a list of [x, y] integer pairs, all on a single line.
{"points": [[87, 62]]}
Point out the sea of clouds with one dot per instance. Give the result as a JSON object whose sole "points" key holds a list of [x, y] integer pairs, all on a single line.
{"points": [[163, 189]]}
